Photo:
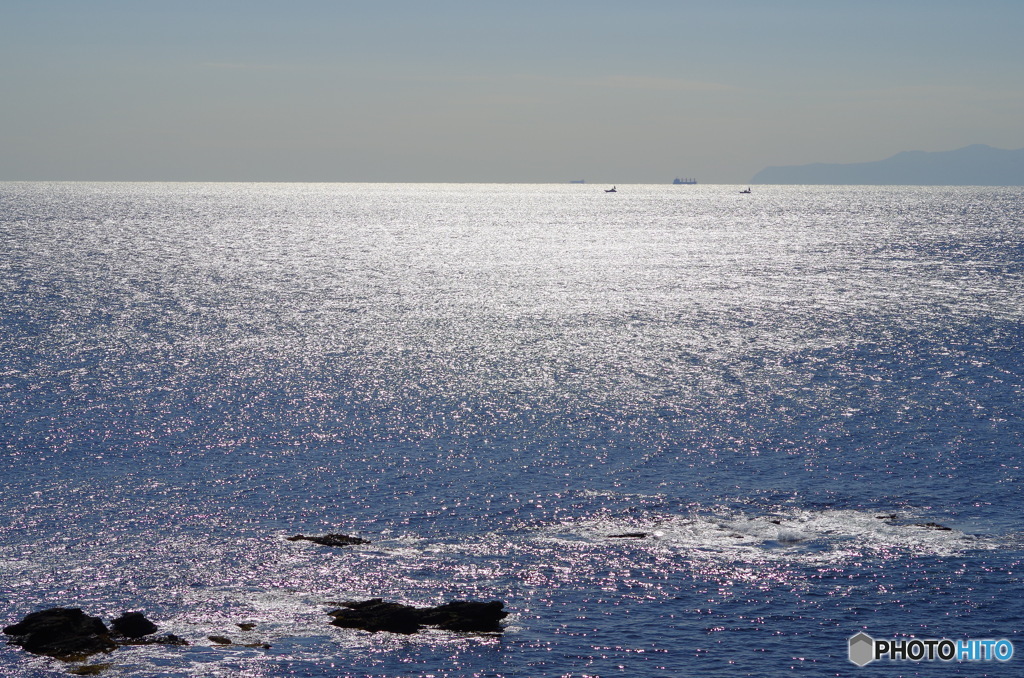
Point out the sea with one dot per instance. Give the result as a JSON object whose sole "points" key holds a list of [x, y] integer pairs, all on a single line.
{"points": [[676, 430]]}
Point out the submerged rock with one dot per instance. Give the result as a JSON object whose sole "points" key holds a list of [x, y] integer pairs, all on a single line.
{"points": [[224, 641], [376, 615], [61, 632], [934, 526], [165, 639], [330, 539], [89, 669]]}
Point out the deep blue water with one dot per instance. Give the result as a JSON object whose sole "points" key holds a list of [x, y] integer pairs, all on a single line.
{"points": [[487, 382]]}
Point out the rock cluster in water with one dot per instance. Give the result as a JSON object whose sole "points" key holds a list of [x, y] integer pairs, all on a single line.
{"points": [[69, 633], [376, 615]]}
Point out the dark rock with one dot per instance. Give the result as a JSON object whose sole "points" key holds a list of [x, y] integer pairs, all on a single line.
{"points": [[247, 626], [628, 535], [463, 615], [133, 625], [220, 640], [61, 632], [934, 526], [132, 628], [330, 539], [376, 615]]}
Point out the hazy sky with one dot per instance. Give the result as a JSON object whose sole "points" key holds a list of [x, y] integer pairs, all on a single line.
{"points": [[454, 90]]}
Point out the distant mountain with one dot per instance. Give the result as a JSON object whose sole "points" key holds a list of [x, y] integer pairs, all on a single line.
{"points": [[976, 165]]}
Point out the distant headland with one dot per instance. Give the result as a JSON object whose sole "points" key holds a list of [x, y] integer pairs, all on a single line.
{"points": [[977, 165]]}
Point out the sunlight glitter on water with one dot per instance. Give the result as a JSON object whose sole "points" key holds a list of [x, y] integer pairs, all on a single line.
{"points": [[488, 383]]}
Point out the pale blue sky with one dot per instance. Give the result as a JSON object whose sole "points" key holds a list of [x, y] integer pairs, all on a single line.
{"points": [[453, 90]]}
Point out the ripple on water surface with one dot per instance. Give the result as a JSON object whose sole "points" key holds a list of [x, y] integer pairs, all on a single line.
{"points": [[490, 383]]}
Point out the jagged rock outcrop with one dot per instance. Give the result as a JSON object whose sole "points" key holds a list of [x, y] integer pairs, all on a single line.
{"points": [[376, 615]]}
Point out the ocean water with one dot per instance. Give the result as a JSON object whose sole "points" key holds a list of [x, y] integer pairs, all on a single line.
{"points": [[780, 390]]}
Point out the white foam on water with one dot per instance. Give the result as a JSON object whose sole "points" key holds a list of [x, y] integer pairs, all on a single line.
{"points": [[786, 534]]}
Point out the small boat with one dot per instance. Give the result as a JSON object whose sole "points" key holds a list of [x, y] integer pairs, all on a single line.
{"points": [[746, 191], [610, 190]]}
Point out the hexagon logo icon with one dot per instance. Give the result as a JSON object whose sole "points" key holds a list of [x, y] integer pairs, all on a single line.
{"points": [[862, 649]]}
